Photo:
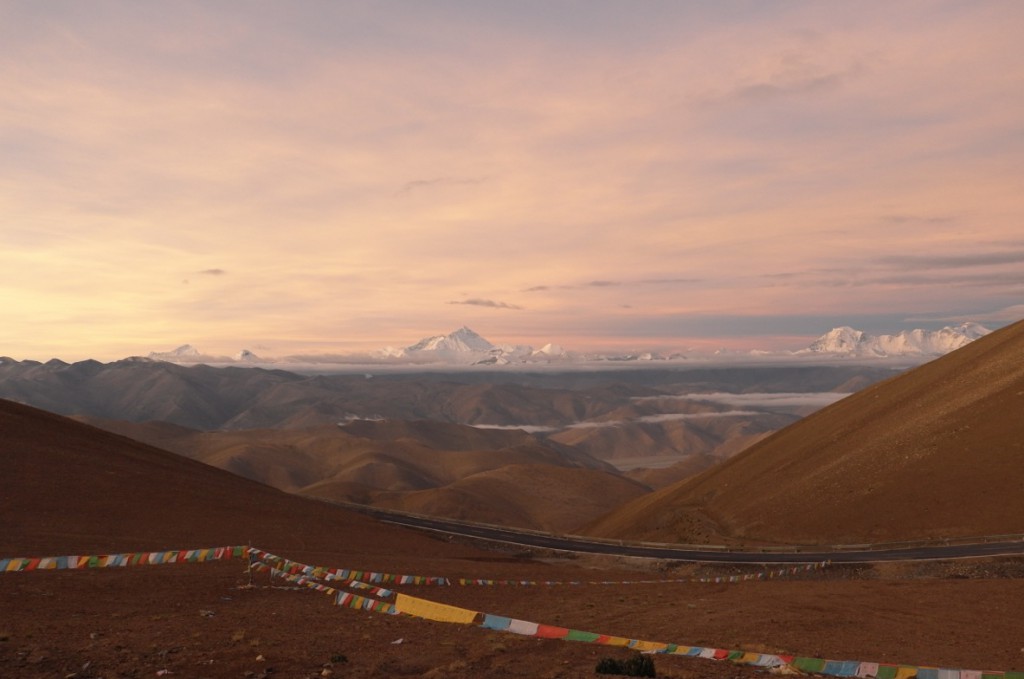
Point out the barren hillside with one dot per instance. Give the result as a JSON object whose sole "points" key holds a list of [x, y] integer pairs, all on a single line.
{"points": [[935, 452]]}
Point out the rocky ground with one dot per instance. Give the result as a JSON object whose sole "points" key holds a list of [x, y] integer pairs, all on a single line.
{"points": [[202, 620]]}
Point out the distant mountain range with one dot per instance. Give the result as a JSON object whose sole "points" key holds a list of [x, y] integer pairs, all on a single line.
{"points": [[464, 347], [847, 341], [530, 448]]}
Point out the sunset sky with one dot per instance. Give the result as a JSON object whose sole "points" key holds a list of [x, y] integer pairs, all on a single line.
{"points": [[326, 177]]}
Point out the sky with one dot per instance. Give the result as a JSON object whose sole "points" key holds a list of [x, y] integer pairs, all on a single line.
{"points": [[324, 176]]}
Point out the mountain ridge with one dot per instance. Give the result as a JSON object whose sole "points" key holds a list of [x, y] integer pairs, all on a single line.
{"points": [[845, 340], [465, 347]]}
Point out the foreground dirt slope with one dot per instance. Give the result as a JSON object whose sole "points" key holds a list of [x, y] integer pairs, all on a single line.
{"points": [[935, 452], [72, 488], [66, 488]]}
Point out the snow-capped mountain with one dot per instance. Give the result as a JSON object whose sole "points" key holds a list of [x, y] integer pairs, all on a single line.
{"points": [[183, 353], [550, 350], [466, 347], [461, 341], [848, 341], [187, 354]]}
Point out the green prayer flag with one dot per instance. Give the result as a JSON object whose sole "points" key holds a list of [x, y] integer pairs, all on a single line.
{"points": [[813, 665], [577, 635]]}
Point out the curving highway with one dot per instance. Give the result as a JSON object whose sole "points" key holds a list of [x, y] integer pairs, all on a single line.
{"points": [[690, 553]]}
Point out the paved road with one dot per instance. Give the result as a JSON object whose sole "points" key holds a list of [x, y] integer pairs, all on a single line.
{"points": [[532, 539]]}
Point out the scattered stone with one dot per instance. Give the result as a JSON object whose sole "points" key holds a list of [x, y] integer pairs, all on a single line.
{"points": [[784, 670], [205, 613], [260, 658], [396, 642]]}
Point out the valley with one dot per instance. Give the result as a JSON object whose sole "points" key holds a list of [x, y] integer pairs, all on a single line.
{"points": [[545, 450]]}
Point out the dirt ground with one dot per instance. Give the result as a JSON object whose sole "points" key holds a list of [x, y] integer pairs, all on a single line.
{"points": [[193, 620]]}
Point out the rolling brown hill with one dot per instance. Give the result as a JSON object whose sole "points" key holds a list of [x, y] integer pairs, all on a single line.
{"points": [[935, 452], [439, 468], [538, 496], [712, 435]]}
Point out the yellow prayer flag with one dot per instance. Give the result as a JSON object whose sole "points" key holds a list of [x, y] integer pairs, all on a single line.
{"points": [[421, 608]]}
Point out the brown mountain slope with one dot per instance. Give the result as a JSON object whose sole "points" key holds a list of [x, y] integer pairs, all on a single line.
{"points": [[68, 488], [666, 476], [538, 496], [935, 452], [712, 435]]}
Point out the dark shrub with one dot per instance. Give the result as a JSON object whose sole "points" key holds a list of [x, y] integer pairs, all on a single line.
{"points": [[636, 666]]}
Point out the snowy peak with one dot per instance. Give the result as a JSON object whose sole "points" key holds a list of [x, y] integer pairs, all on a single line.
{"points": [[185, 351], [550, 351], [841, 340], [464, 347], [187, 354], [462, 341], [847, 341]]}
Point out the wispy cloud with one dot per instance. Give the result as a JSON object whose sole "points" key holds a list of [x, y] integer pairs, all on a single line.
{"points": [[786, 87], [487, 303], [1012, 313], [528, 428], [958, 261], [437, 182], [664, 417], [670, 281], [667, 281], [917, 219], [769, 399], [213, 272], [645, 419]]}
